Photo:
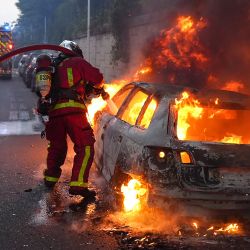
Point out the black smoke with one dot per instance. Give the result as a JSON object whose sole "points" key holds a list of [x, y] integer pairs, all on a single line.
{"points": [[225, 41]]}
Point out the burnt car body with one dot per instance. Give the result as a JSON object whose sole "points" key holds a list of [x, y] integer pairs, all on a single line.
{"points": [[216, 175]]}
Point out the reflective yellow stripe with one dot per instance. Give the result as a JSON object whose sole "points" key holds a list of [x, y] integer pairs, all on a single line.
{"points": [[78, 184], [51, 179], [70, 76], [69, 104], [84, 163]]}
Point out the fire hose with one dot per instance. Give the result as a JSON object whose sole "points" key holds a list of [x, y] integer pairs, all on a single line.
{"points": [[37, 47]]}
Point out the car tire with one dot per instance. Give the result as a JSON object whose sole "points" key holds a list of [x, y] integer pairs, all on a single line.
{"points": [[116, 182]]}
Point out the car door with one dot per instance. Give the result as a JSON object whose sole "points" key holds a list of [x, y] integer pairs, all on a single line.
{"points": [[107, 139], [117, 129]]}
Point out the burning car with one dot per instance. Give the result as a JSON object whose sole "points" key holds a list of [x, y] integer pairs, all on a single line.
{"points": [[191, 146]]}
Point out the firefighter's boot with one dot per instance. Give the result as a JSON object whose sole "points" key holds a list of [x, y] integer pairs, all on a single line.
{"points": [[84, 192], [50, 180]]}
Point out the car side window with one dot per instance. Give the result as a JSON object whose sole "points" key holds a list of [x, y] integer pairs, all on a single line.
{"points": [[148, 114], [133, 107], [120, 97]]}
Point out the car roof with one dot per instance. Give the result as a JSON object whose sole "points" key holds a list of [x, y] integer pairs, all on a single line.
{"points": [[162, 89], [204, 95]]}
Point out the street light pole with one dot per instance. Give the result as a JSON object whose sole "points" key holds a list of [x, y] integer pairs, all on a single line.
{"points": [[45, 29], [88, 31]]}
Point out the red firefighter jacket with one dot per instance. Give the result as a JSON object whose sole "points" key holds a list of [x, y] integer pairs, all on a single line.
{"points": [[74, 71]]}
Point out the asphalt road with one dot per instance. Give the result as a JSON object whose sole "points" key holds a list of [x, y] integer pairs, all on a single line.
{"points": [[32, 217]]}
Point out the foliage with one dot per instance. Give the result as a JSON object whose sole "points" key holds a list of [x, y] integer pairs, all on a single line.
{"points": [[67, 19], [31, 22], [122, 11]]}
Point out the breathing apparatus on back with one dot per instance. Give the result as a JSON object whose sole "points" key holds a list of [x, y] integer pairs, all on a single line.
{"points": [[44, 72]]}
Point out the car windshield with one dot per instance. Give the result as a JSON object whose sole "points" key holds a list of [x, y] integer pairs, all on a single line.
{"points": [[198, 122]]}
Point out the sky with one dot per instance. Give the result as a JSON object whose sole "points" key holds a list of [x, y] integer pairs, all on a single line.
{"points": [[8, 11]]}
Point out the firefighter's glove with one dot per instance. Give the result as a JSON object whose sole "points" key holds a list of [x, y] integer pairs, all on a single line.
{"points": [[43, 134], [105, 95], [43, 107], [96, 91]]}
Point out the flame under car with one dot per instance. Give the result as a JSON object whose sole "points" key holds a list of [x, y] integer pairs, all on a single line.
{"points": [[204, 165]]}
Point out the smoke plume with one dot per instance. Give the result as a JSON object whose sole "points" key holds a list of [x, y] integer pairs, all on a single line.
{"points": [[223, 42]]}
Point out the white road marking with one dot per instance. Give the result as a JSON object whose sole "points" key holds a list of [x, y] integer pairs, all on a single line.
{"points": [[13, 115], [24, 115], [18, 128]]}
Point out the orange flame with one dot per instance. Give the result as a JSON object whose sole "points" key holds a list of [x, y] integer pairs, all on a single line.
{"points": [[232, 228], [233, 86], [185, 23], [195, 225], [187, 46], [237, 139], [178, 46], [134, 195], [187, 107], [142, 71], [197, 122], [98, 104]]}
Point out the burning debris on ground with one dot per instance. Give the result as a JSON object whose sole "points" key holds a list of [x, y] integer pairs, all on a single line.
{"points": [[142, 227]]}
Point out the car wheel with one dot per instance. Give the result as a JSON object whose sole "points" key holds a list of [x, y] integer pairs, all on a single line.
{"points": [[116, 182]]}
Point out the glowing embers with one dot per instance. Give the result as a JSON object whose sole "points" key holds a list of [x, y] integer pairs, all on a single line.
{"points": [[229, 229], [143, 70], [210, 122], [135, 195]]}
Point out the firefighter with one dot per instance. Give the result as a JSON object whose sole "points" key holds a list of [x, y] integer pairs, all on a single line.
{"points": [[67, 116]]}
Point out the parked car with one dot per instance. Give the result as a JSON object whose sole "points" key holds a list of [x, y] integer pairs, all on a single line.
{"points": [[33, 86], [21, 64], [26, 63], [28, 74], [144, 140]]}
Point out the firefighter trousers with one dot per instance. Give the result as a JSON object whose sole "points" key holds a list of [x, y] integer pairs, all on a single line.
{"points": [[78, 129]]}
